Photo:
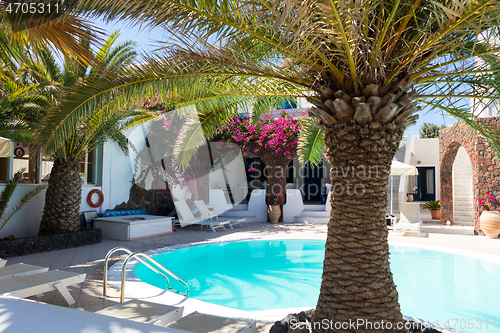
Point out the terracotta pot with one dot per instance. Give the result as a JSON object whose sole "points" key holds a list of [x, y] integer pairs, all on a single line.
{"points": [[409, 198], [489, 223], [274, 213], [436, 214]]}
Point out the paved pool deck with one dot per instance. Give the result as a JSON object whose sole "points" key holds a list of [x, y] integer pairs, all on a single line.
{"points": [[90, 259]]}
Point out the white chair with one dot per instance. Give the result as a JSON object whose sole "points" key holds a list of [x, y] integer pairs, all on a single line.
{"points": [[409, 218], [40, 283], [187, 218], [207, 214], [204, 211], [2, 262]]}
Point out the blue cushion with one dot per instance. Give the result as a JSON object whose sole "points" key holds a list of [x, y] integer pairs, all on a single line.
{"points": [[124, 212]]}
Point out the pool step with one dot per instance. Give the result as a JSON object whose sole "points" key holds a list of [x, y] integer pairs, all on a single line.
{"points": [[239, 212], [171, 317], [313, 214], [240, 206], [314, 207], [311, 219], [202, 323]]}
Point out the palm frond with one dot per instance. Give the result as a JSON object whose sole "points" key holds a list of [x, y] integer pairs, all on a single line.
{"points": [[311, 144], [27, 196], [7, 192], [176, 83], [17, 132]]}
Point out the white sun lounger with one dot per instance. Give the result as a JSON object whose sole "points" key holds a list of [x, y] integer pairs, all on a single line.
{"points": [[207, 214], [144, 312], [187, 218], [40, 283], [203, 323], [410, 218], [18, 270]]}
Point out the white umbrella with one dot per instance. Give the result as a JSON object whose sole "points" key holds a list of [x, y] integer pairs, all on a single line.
{"points": [[401, 169], [5, 147]]}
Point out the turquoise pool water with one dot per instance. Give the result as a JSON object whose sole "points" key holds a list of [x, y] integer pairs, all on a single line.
{"points": [[272, 274]]}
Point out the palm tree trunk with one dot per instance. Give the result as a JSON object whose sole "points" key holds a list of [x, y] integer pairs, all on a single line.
{"points": [[276, 166], [357, 281], [62, 200], [276, 184]]}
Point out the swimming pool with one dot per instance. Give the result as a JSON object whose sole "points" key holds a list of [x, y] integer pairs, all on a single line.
{"points": [[271, 274]]}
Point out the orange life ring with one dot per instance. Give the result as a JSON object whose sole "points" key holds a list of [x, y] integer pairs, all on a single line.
{"points": [[89, 198]]}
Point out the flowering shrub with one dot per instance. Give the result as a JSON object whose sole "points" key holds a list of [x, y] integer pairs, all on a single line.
{"points": [[273, 140], [276, 135], [485, 200]]}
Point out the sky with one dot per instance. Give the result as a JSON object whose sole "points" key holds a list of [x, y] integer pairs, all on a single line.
{"points": [[148, 41]]}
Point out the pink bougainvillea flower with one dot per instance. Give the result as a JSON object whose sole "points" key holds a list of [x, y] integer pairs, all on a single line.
{"points": [[251, 169], [488, 193]]}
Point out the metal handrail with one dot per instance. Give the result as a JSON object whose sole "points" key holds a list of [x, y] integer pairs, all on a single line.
{"points": [[121, 248], [163, 268]]}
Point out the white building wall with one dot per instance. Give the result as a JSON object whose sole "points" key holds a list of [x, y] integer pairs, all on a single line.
{"points": [[25, 222], [421, 153], [116, 175]]}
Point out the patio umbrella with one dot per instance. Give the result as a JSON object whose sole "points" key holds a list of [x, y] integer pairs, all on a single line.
{"points": [[5, 147], [401, 169]]}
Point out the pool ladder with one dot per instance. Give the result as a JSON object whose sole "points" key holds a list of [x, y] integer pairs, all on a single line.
{"points": [[147, 261]]}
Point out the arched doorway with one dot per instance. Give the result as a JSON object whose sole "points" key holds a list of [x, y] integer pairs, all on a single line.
{"points": [[463, 200], [485, 169]]}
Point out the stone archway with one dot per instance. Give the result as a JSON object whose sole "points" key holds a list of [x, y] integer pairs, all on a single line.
{"points": [[485, 167]]}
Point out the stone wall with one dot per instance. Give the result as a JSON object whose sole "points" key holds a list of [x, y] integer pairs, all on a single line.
{"points": [[36, 244], [156, 202], [485, 167]]}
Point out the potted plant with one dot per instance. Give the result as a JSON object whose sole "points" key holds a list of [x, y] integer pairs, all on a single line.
{"points": [[489, 222], [435, 207], [274, 211]]}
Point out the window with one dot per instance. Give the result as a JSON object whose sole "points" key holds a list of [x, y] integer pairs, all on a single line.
{"points": [[290, 103], [33, 173], [22, 161], [46, 167], [87, 168]]}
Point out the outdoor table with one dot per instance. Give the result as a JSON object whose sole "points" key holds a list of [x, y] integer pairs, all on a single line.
{"points": [[132, 227]]}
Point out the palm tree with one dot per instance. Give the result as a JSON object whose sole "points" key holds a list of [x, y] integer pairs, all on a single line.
{"points": [[23, 100], [63, 196], [367, 66]]}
